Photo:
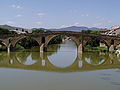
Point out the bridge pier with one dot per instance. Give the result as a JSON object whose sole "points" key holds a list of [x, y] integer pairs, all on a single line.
{"points": [[8, 48], [41, 55], [80, 48], [42, 48]]}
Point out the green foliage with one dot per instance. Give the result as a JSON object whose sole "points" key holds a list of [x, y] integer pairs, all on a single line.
{"points": [[91, 31], [89, 48], [37, 31], [0, 41], [40, 30], [27, 43], [19, 47], [13, 32], [4, 31], [3, 48], [93, 43]]}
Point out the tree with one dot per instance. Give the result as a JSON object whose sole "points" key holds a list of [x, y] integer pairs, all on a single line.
{"points": [[37, 31], [91, 31]]}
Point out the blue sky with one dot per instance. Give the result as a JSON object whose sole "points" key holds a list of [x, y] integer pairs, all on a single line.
{"points": [[60, 13]]}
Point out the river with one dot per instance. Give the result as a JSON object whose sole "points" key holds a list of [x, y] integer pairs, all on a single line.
{"points": [[61, 68]]}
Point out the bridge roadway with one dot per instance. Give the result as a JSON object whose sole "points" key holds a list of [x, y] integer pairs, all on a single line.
{"points": [[79, 65], [44, 38]]}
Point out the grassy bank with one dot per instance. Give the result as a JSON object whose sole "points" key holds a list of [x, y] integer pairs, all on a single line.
{"points": [[89, 48]]}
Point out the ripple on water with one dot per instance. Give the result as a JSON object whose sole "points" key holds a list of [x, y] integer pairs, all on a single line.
{"points": [[106, 78], [115, 83]]}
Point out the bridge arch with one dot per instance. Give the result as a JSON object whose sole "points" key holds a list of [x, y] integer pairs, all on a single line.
{"points": [[16, 40], [73, 38], [85, 42], [4, 44]]}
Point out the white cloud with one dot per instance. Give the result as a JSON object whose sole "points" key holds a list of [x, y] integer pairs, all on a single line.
{"points": [[40, 14], [13, 6], [16, 6], [11, 22], [19, 15], [84, 15], [87, 15], [39, 23], [74, 24]]}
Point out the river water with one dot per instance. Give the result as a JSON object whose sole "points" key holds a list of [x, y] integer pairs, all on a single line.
{"points": [[61, 68]]}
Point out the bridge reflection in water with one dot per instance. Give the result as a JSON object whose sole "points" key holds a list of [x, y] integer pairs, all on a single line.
{"points": [[37, 61]]}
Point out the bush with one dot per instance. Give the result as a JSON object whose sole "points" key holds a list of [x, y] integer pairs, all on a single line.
{"points": [[89, 48], [19, 47], [3, 48]]}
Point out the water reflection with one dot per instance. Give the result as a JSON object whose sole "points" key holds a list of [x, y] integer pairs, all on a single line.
{"points": [[62, 58], [65, 55], [39, 61], [95, 58]]}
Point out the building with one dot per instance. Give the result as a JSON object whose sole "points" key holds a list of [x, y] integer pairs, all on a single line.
{"points": [[22, 31], [114, 31]]}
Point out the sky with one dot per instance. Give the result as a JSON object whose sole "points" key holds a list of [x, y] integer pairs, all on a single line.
{"points": [[60, 13]]}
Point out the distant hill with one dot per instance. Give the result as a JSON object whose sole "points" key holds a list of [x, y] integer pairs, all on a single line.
{"points": [[39, 29], [75, 28], [6, 27], [11, 27]]}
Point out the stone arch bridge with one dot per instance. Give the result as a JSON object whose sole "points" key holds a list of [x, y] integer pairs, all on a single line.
{"points": [[44, 38]]}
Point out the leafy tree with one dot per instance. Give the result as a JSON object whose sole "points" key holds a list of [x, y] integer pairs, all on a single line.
{"points": [[37, 31], [27, 43], [91, 31], [40, 30], [93, 43]]}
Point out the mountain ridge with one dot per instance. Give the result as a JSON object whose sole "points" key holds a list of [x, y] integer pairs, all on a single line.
{"points": [[11, 27], [71, 28], [75, 28]]}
